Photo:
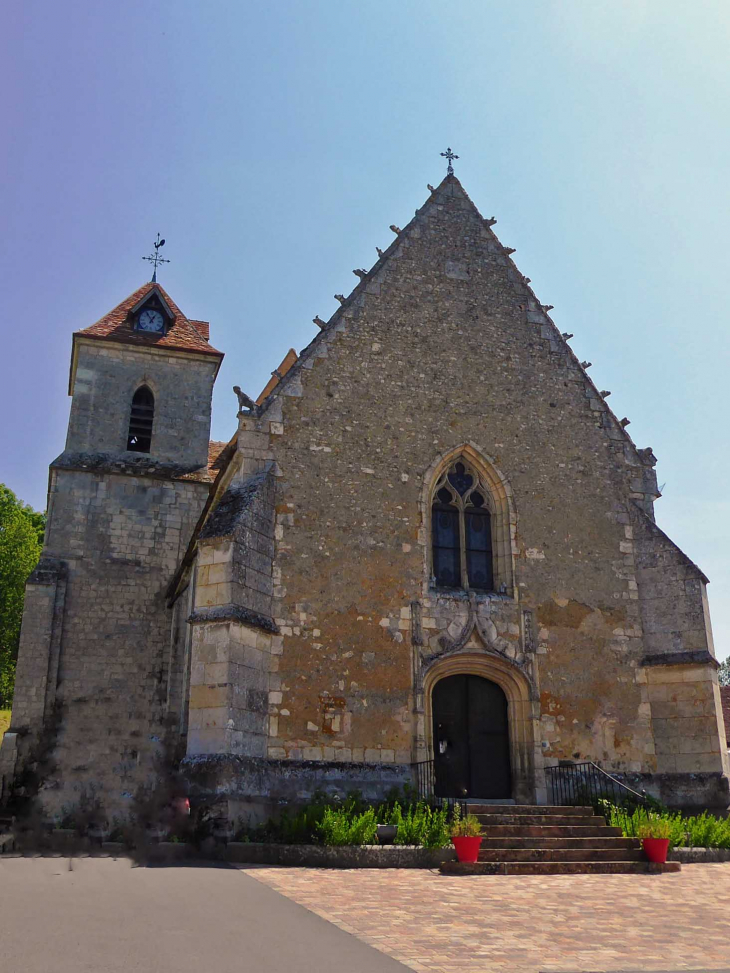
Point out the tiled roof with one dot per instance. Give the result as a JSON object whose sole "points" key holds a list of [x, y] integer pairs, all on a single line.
{"points": [[183, 335], [216, 460], [202, 327], [276, 376], [218, 455], [725, 698]]}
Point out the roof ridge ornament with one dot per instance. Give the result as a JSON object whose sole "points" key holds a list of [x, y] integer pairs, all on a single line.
{"points": [[449, 156], [155, 258]]}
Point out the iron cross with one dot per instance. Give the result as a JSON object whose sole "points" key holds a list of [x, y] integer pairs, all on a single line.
{"points": [[155, 258], [449, 155]]}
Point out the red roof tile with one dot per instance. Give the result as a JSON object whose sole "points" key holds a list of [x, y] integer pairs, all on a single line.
{"points": [[216, 460], [183, 335], [218, 456], [202, 327]]}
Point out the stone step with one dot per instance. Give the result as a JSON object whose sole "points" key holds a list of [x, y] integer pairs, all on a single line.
{"points": [[560, 831], [560, 854], [534, 820], [540, 809], [598, 843], [558, 868]]}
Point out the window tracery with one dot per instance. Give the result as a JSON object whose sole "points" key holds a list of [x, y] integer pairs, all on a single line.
{"points": [[461, 530]]}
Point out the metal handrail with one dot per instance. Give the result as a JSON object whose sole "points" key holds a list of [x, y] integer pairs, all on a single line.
{"points": [[425, 776], [572, 782]]}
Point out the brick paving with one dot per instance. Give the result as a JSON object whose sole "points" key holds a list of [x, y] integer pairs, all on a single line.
{"points": [[479, 924]]}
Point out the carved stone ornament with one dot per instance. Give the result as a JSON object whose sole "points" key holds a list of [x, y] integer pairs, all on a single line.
{"points": [[487, 632]]}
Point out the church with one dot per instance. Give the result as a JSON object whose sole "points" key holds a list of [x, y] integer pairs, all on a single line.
{"points": [[428, 553]]}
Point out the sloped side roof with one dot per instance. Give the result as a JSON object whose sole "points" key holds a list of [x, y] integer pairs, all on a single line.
{"points": [[652, 528], [276, 376], [182, 335], [231, 507]]}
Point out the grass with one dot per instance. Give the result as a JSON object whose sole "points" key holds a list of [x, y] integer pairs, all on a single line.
{"points": [[4, 721]]}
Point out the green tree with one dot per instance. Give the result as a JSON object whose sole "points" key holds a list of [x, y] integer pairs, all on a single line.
{"points": [[723, 673], [21, 540]]}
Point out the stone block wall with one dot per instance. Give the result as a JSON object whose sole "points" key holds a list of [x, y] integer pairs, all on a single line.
{"points": [[120, 539], [686, 719], [235, 642], [421, 363], [106, 377], [444, 348]]}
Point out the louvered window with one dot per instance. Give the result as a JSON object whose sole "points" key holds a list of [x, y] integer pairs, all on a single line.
{"points": [[142, 416]]}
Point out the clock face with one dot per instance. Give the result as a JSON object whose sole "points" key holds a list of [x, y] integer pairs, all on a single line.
{"points": [[151, 320]]}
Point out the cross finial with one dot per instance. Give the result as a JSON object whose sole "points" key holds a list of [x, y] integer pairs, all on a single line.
{"points": [[155, 258], [449, 156]]}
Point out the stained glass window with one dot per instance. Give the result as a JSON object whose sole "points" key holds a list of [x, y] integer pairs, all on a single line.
{"points": [[461, 529]]}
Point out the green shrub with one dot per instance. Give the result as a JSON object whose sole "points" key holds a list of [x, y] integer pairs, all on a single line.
{"points": [[352, 821], [707, 831], [700, 831], [425, 826], [340, 826]]}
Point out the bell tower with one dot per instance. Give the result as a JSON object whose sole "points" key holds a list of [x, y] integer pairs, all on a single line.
{"points": [[98, 677], [142, 380]]}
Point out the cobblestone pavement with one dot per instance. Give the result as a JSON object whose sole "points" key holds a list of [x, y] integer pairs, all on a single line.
{"points": [[479, 924]]}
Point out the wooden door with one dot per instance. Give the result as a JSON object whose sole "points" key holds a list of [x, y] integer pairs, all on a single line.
{"points": [[471, 738]]}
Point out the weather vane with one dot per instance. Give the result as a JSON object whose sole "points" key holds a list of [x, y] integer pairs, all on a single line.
{"points": [[449, 155], [156, 259]]}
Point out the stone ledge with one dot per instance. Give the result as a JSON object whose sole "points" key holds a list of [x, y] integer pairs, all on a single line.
{"points": [[234, 613], [48, 571], [130, 464], [699, 657]]}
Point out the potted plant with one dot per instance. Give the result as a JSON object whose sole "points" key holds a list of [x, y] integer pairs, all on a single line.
{"points": [[387, 831], [466, 835], [655, 835]]}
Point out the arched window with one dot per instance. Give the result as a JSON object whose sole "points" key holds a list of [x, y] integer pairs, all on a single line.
{"points": [[461, 531], [142, 416]]}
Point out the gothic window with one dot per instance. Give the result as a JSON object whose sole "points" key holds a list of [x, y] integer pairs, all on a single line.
{"points": [[139, 438], [461, 531]]}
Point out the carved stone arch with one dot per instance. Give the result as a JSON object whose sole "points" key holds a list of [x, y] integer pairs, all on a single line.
{"points": [[501, 505], [139, 382], [523, 716]]}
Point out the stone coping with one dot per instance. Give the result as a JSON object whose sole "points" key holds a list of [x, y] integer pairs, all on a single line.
{"points": [[699, 856], [345, 856]]}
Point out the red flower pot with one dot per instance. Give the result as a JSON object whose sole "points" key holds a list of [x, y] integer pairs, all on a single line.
{"points": [[656, 849], [467, 849]]}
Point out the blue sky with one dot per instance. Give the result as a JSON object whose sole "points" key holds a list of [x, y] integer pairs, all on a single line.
{"points": [[273, 144]]}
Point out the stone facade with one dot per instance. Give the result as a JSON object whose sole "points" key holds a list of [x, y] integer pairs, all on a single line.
{"points": [[315, 631]]}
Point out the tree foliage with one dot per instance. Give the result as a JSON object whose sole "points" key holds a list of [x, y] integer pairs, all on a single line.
{"points": [[21, 540], [723, 673]]}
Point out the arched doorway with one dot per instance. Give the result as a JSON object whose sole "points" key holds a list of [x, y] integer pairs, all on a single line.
{"points": [[471, 738]]}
